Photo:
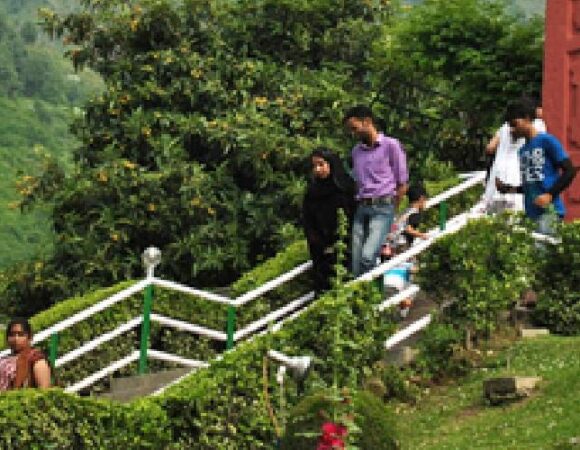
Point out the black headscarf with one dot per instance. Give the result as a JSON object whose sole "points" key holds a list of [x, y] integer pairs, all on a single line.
{"points": [[338, 178]]}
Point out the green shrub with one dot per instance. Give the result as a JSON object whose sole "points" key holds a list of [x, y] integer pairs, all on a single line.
{"points": [[33, 419], [437, 351], [558, 305], [375, 422], [483, 267], [390, 382]]}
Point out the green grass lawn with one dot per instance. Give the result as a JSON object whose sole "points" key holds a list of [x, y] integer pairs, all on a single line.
{"points": [[456, 417]]}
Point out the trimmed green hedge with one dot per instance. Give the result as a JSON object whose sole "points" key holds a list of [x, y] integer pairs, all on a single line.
{"points": [[34, 419]]}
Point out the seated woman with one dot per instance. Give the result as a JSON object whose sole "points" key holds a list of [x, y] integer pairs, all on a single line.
{"points": [[329, 189], [26, 366]]}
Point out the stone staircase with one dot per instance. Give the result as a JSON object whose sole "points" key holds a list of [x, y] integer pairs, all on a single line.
{"points": [[128, 388]]}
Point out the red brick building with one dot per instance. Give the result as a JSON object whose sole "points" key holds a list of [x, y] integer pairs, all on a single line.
{"points": [[561, 90]]}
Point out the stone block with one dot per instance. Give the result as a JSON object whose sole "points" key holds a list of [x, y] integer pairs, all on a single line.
{"points": [[498, 390], [533, 332], [401, 355]]}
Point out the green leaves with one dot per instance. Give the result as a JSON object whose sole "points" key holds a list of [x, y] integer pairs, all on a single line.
{"points": [[484, 268], [557, 283]]}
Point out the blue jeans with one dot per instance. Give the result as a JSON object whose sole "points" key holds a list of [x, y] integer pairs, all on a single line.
{"points": [[370, 227]]}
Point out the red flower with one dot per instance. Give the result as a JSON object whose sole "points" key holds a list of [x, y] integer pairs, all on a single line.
{"points": [[331, 438]]}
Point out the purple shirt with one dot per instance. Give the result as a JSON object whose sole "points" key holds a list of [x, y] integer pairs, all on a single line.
{"points": [[379, 169]]}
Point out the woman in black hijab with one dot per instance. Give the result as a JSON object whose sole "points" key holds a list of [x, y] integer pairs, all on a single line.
{"points": [[329, 189]]}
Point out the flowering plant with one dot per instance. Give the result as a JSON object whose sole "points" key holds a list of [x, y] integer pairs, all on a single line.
{"points": [[332, 436]]}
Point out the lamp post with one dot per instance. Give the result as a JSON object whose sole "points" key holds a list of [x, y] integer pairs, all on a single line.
{"points": [[151, 258], [297, 365]]}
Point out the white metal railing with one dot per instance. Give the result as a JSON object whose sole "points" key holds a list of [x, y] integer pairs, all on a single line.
{"points": [[85, 314], [193, 291], [475, 179], [273, 316], [168, 357], [92, 379], [91, 345], [272, 284], [408, 332], [191, 328], [276, 318]]}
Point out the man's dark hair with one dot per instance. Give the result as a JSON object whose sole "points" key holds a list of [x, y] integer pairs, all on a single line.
{"points": [[523, 108], [359, 112], [415, 192]]}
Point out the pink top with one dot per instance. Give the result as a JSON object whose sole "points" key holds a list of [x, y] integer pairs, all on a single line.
{"points": [[7, 372]]}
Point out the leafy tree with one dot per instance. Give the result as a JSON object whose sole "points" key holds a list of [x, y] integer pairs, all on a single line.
{"points": [[198, 144], [477, 54]]}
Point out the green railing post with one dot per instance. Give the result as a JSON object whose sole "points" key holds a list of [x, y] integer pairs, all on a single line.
{"points": [[53, 349], [145, 328], [380, 284], [442, 215], [231, 327]]}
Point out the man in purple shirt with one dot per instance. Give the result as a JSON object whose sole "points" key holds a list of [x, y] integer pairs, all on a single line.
{"points": [[380, 170]]}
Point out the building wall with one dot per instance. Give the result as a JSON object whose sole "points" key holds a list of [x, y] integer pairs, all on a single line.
{"points": [[561, 89]]}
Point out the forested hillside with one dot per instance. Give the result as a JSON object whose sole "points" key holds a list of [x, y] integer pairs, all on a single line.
{"points": [[39, 92]]}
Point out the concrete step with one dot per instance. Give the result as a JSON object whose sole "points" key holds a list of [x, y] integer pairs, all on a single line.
{"points": [[128, 388]]}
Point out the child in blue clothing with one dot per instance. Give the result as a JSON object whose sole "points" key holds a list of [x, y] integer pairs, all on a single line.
{"points": [[403, 233], [406, 226], [545, 166]]}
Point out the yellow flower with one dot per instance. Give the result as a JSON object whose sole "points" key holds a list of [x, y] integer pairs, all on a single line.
{"points": [[261, 101], [114, 237], [129, 165], [195, 201], [102, 177], [196, 73], [151, 207], [211, 211], [134, 24]]}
